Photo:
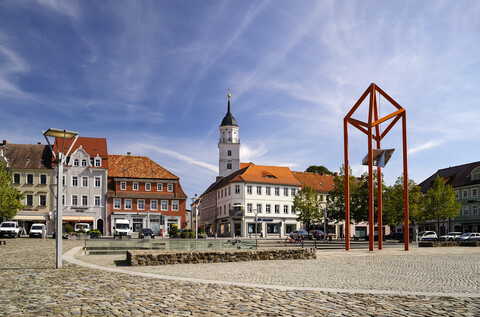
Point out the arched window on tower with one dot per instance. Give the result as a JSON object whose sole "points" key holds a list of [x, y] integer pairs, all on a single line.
{"points": [[229, 152]]}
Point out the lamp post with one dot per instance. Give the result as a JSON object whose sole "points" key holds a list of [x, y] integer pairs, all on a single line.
{"points": [[195, 201], [61, 159], [325, 224], [255, 211]]}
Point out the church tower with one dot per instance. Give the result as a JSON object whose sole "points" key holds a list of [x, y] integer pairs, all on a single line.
{"points": [[228, 145]]}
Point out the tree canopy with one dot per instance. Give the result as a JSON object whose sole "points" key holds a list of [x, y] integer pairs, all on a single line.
{"points": [[440, 202], [10, 197], [318, 169], [307, 202]]}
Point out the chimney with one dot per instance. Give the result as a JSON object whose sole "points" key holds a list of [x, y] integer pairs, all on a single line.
{"points": [[39, 143], [4, 142], [129, 153]]}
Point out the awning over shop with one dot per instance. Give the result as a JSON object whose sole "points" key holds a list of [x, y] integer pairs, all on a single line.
{"points": [[29, 218], [77, 218]]}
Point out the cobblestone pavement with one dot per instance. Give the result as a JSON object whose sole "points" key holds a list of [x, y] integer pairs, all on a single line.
{"points": [[31, 286]]}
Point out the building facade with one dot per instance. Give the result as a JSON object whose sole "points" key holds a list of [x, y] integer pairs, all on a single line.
{"points": [[85, 182], [145, 194], [465, 181], [32, 175]]}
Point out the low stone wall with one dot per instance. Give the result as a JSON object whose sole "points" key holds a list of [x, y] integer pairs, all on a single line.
{"points": [[163, 257], [449, 244]]}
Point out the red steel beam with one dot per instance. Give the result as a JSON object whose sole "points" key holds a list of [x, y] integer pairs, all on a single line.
{"points": [[347, 186], [406, 230]]}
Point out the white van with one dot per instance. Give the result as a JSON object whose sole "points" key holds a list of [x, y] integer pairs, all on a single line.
{"points": [[82, 226], [36, 230], [122, 228]]}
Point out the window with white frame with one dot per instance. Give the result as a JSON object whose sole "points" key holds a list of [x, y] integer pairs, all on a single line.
{"points": [[84, 181], [98, 162], [98, 181], [74, 200], [465, 193], [117, 203], [267, 208], [154, 204], [277, 191], [218, 195], [29, 199], [123, 186], [457, 195], [148, 187], [140, 204], [16, 178], [267, 191], [285, 191], [237, 189], [229, 166], [76, 162], [285, 209], [64, 180], [169, 187], [30, 179], [84, 162], [84, 200], [292, 209], [249, 207], [474, 210], [293, 192], [465, 210], [229, 192], [43, 179], [259, 208], [128, 204], [75, 181], [135, 186], [259, 190], [63, 199], [249, 189], [474, 192], [159, 187], [175, 205], [43, 200], [164, 205], [98, 201], [221, 193], [277, 209]]}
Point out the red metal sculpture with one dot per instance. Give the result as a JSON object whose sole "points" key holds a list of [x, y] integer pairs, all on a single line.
{"points": [[372, 129]]}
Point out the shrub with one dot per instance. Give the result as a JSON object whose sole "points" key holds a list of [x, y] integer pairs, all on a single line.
{"points": [[68, 228]]}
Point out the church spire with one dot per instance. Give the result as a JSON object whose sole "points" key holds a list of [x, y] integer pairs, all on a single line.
{"points": [[229, 119]]}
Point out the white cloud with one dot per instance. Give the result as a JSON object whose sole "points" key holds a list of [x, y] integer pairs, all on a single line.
{"points": [[69, 8], [250, 154], [425, 146]]}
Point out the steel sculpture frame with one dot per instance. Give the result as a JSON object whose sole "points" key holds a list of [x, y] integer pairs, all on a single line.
{"points": [[372, 129]]}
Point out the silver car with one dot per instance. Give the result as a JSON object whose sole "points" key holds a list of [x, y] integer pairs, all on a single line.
{"points": [[450, 236], [427, 236], [468, 236]]}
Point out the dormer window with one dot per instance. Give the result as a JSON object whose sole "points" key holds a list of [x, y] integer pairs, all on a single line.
{"points": [[98, 162], [76, 162], [84, 162]]}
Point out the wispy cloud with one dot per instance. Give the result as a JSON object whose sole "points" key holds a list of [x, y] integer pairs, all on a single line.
{"points": [[425, 146], [180, 157], [12, 64], [69, 8]]}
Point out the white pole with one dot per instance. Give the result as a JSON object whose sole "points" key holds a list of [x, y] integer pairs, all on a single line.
{"points": [[58, 224], [196, 226]]}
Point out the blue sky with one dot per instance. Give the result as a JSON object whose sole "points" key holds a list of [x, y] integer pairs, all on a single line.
{"points": [[152, 78]]}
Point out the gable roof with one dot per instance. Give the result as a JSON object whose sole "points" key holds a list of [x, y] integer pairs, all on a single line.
{"points": [[456, 176], [27, 156], [251, 173], [93, 147], [131, 166], [321, 183]]}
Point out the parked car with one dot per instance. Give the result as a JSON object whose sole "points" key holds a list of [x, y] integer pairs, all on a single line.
{"points": [[474, 237], [36, 230], [144, 232], [317, 234], [300, 234], [10, 229], [427, 236], [450, 236], [82, 227], [467, 236]]}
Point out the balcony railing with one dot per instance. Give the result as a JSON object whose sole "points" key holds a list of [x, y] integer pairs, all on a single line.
{"points": [[230, 140]]}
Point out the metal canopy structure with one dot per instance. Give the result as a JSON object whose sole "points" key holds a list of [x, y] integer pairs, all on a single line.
{"points": [[377, 157]]}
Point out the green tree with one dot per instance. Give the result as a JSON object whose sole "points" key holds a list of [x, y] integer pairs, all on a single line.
{"points": [[318, 169], [307, 202], [393, 208], [440, 202], [10, 197]]}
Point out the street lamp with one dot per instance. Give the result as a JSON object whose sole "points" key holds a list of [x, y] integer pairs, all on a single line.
{"points": [[195, 201], [61, 159], [255, 211]]}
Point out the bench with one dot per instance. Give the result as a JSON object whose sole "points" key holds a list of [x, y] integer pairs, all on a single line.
{"points": [[3, 242]]}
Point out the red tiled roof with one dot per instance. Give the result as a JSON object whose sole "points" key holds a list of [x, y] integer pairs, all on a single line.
{"points": [[131, 166], [92, 146], [243, 165], [27, 156], [268, 174], [321, 183]]}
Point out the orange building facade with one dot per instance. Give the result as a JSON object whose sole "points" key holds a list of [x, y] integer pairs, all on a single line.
{"points": [[145, 194]]}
